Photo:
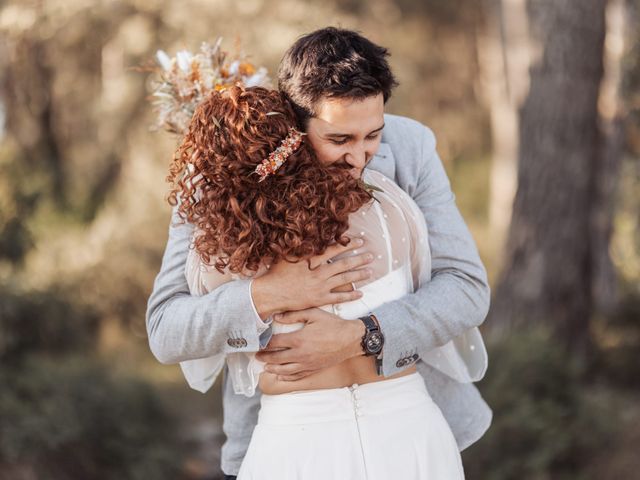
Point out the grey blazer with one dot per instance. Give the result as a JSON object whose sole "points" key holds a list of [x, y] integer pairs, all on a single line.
{"points": [[184, 327]]}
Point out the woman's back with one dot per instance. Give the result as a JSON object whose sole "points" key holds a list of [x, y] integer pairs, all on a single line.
{"points": [[395, 233]]}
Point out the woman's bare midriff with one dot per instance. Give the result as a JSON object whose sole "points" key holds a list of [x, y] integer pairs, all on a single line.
{"points": [[358, 370]]}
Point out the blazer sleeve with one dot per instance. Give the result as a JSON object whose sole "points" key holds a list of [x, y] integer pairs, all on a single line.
{"points": [[181, 326], [457, 297]]}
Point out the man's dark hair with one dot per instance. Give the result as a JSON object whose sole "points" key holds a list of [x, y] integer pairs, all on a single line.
{"points": [[334, 63]]}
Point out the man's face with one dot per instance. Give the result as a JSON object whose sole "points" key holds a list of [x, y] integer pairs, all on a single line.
{"points": [[347, 131]]}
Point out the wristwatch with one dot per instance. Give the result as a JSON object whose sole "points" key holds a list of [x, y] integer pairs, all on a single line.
{"points": [[373, 340]]}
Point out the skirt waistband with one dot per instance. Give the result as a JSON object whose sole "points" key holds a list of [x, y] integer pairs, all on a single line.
{"points": [[344, 403]]}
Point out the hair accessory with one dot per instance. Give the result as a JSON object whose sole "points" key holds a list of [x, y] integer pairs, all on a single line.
{"points": [[180, 83], [276, 158]]}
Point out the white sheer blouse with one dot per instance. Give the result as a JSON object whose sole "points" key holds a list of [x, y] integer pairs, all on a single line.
{"points": [[396, 233]]}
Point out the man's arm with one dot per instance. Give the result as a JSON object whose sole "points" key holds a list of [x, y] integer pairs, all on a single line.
{"points": [[457, 297], [185, 327], [230, 318]]}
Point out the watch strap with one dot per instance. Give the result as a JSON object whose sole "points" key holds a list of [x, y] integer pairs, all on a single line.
{"points": [[372, 326]]}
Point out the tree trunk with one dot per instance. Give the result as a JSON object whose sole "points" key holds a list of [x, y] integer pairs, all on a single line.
{"points": [[550, 249], [503, 49]]}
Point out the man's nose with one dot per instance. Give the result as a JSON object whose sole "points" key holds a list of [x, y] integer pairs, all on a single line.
{"points": [[357, 157]]}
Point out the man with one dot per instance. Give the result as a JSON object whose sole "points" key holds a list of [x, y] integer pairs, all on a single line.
{"points": [[338, 82]]}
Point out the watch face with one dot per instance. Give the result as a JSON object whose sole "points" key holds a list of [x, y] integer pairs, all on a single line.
{"points": [[374, 343]]}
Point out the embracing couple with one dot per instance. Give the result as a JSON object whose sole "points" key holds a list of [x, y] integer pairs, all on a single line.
{"points": [[316, 257]]}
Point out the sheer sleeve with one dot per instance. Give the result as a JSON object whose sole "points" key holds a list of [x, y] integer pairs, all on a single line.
{"points": [[464, 358], [201, 373]]}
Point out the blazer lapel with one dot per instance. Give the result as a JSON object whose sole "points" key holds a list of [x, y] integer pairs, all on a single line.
{"points": [[383, 161]]}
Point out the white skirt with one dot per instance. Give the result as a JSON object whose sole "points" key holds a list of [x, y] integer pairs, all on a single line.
{"points": [[375, 431]]}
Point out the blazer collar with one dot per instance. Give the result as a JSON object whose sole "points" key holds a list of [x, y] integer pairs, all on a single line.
{"points": [[383, 161]]}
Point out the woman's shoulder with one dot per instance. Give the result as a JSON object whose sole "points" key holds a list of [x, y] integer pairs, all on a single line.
{"points": [[388, 191], [384, 185], [203, 277]]}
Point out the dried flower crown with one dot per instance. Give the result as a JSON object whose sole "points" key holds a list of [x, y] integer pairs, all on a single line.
{"points": [[289, 145], [186, 80], [182, 82]]}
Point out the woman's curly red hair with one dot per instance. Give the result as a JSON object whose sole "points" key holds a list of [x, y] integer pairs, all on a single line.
{"points": [[296, 212]]}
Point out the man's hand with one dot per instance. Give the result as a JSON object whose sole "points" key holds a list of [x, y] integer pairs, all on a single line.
{"points": [[311, 283], [325, 340]]}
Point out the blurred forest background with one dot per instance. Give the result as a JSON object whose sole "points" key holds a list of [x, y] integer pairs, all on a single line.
{"points": [[536, 107]]}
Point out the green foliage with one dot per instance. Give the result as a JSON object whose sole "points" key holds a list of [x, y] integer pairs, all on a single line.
{"points": [[470, 182], [72, 419], [546, 422], [617, 361], [18, 200], [42, 322], [15, 240], [63, 413]]}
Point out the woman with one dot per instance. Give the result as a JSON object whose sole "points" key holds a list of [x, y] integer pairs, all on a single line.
{"points": [[257, 195]]}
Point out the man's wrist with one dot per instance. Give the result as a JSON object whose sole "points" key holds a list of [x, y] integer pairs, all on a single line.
{"points": [[357, 330], [373, 340], [263, 299]]}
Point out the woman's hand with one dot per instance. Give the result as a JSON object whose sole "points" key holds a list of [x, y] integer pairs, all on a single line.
{"points": [[311, 283]]}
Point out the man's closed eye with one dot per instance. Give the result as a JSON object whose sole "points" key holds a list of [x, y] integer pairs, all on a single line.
{"points": [[346, 139]]}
